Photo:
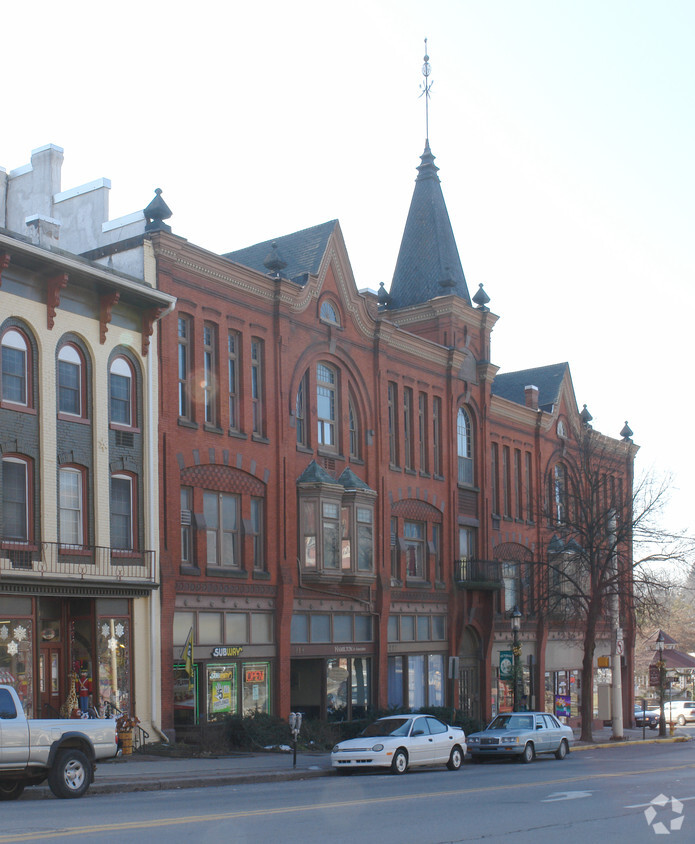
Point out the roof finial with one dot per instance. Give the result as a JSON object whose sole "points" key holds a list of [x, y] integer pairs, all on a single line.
{"points": [[425, 87]]}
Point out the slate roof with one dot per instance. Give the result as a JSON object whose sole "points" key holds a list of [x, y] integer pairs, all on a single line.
{"points": [[315, 474], [510, 385], [302, 251], [350, 480], [428, 262]]}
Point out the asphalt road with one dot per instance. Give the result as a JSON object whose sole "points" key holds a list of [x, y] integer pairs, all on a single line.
{"points": [[600, 794]]}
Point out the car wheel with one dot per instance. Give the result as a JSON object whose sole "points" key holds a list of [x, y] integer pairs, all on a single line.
{"points": [[562, 751], [11, 789], [71, 774], [681, 721], [399, 764], [456, 759], [528, 753]]}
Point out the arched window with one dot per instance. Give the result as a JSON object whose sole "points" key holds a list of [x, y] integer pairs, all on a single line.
{"points": [[326, 411], [16, 480], [71, 520], [329, 313], [464, 447], [121, 392], [15, 368], [71, 399]]}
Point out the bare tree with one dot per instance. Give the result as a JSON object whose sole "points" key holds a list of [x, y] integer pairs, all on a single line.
{"points": [[607, 540]]}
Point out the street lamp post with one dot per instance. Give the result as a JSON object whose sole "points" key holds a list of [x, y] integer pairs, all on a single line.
{"points": [[515, 618], [662, 672]]}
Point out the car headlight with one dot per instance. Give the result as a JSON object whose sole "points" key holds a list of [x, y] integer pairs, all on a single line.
{"points": [[473, 740], [510, 740], [378, 748], [336, 749]]}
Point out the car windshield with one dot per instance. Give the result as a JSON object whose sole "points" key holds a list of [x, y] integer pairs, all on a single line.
{"points": [[512, 722], [387, 727]]}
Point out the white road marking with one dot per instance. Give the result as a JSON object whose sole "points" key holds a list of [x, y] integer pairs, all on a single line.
{"points": [[566, 795]]}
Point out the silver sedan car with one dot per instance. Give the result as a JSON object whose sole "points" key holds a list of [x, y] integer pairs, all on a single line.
{"points": [[399, 742], [522, 735]]}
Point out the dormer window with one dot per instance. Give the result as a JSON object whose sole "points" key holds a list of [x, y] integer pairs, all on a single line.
{"points": [[329, 313]]}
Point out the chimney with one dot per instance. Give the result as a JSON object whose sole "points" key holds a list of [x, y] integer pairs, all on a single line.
{"points": [[531, 396]]}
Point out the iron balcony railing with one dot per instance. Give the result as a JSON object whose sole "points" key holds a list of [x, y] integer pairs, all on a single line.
{"points": [[478, 574], [70, 562]]}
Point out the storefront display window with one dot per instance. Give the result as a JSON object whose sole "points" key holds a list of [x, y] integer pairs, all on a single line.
{"points": [[16, 665], [255, 687], [435, 671], [113, 635], [347, 676], [222, 690], [185, 697]]}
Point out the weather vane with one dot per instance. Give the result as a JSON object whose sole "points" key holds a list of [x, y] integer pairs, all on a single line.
{"points": [[426, 87]]}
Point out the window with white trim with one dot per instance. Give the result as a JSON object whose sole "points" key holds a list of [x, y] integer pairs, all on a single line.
{"points": [[122, 513], [326, 384], [465, 447], [221, 511], [71, 521], [15, 367], [121, 392], [15, 499], [71, 399]]}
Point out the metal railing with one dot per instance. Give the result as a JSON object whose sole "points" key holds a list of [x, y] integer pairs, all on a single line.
{"points": [[478, 572], [85, 562]]}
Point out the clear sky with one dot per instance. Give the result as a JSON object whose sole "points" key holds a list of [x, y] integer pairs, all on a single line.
{"points": [[564, 132]]}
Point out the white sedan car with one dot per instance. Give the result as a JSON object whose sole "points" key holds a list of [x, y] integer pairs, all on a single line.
{"points": [[399, 742]]}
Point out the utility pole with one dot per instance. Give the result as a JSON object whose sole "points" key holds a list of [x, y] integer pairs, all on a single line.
{"points": [[617, 644]]}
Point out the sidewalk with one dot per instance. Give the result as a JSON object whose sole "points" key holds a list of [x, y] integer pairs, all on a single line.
{"points": [[142, 772]]}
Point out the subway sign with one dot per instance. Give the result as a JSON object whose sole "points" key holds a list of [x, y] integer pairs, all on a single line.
{"points": [[226, 651]]}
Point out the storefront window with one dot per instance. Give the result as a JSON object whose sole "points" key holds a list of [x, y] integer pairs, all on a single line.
{"points": [[16, 666], [347, 676], [416, 681], [114, 662], [185, 697], [435, 679], [256, 687], [222, 691]]}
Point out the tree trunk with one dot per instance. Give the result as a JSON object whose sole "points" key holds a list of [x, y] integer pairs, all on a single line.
{"points": [[586, 708]]}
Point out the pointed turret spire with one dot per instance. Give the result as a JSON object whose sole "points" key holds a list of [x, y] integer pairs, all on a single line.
{"points": [[428, 262]]}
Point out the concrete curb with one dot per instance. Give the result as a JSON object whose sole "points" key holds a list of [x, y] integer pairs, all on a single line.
{"points": [[603, 744]]}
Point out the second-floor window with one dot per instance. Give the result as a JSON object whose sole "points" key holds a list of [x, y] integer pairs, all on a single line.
{"points": [[71, 519], [122, 513], [422, 431], [414, 537], [258, 534], [222, 522], [186, 526], [15, 499]]}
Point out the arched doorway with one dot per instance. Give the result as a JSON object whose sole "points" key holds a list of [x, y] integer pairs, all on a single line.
{"points": [[470, 661]]}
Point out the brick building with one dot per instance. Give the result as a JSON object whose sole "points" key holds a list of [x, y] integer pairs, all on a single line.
{"points": [[351, 494], [78, 456]]}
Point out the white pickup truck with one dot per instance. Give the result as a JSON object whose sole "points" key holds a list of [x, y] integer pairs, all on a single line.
{"points": [[63, 751]]}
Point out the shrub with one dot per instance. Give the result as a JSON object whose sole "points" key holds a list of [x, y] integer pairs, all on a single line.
{"points": [[257, 731]]}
